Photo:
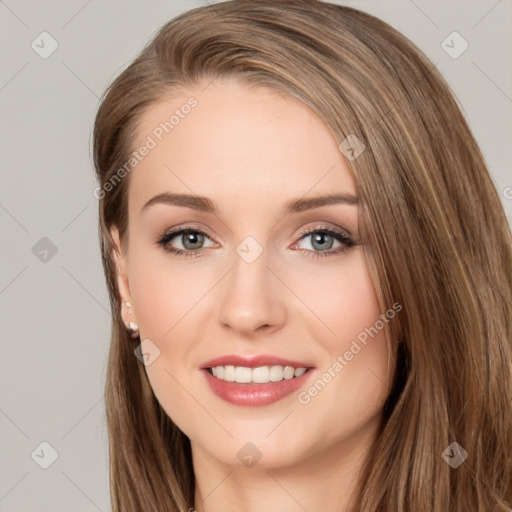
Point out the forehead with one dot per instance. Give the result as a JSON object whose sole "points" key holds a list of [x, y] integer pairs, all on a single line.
{"points": [[232, 140]]}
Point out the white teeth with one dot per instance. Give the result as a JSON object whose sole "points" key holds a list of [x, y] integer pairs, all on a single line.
{"points": [[259, 375], [289, 372], [229, 373], [299, 371], [276, 373], [243, 375]]}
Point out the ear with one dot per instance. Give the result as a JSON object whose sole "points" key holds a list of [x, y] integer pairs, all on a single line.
{"points": [[127, 312]]}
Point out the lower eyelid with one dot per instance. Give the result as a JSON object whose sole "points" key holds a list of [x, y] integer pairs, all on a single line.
{"points": [[344, 240]]}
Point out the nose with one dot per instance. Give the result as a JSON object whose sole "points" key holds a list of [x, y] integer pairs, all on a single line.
{"points": [[252, 300]]}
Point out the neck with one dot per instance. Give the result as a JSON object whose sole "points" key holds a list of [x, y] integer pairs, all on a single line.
{"points": [[323, 481]]}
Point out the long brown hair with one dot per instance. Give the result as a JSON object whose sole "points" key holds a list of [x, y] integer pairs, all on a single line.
{"points": [[435, 234]]}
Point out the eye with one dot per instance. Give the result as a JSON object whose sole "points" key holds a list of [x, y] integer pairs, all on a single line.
{"points": [[190, 238], [322, 239]]}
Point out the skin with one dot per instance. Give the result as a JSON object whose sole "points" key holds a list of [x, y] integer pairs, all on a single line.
{"points": [[250, 151]]}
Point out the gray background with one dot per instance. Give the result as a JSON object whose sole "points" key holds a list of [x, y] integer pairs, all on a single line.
{"points": [[55, 320]]}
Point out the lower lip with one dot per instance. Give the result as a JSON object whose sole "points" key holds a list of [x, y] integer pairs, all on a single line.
{"points": [[252, 394]]}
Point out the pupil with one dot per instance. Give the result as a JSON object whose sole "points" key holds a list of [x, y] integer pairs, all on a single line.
{"points": [[193, 238], [317, 239]]}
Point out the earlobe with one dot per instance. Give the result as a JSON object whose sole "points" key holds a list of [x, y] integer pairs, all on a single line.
{"points": [[132, 326], [119, 258]]}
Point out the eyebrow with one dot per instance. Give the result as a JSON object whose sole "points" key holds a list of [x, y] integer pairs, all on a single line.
{"points": [[204, 204]]}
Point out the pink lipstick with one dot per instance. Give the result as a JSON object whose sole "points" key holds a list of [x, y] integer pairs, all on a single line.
{"points": [[263, 379]]}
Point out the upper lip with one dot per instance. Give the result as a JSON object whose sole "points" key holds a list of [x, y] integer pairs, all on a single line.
{"points": [[253, 361]]}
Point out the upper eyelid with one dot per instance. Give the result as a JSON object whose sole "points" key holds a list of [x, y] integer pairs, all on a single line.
{"points": [[338, 230], [302, 234], [179, 230]]}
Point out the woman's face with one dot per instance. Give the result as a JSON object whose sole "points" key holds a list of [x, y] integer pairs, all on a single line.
{"points": [[257, 286]]}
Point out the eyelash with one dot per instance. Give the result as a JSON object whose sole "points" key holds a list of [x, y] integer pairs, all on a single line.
{"points": [[345, 240]]}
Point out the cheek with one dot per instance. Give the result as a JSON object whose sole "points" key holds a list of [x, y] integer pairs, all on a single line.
{"points": [[354, 370], [343, 297], [163, 295], [360, 329], [162, 292]]}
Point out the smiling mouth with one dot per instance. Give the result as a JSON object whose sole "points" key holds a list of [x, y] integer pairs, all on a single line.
{"points": [[259, 375]]}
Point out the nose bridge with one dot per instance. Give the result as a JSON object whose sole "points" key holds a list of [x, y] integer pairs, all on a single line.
{"points": [[251, 299]]}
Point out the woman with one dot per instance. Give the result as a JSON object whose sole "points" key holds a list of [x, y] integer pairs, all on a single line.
{"points": [[309, 271]]}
